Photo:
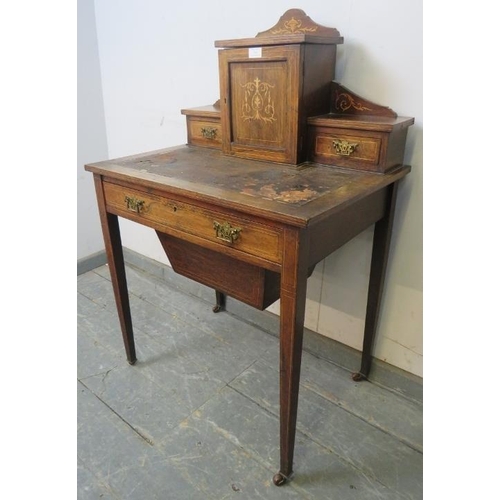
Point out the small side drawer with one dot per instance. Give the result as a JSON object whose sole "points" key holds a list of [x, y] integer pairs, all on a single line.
{"points": [[204, 132], [217, 227], [336, 147]]}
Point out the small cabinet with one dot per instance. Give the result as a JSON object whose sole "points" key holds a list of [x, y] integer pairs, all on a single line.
{"points": [[270, 84]]}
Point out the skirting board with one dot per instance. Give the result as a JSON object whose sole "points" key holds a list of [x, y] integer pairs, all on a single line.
{"points": [[91, 262]]}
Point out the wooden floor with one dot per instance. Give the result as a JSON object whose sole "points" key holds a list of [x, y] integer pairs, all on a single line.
{"points": [[197, 416]]}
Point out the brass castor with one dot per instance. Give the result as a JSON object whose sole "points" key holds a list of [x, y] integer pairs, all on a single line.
{"points": [[279, 479], [358, 377], [216, 309]]}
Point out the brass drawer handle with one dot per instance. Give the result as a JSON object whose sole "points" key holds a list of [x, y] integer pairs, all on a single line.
{"points": [[344, 148], [209, 132], [134, 204], [226, 232]]}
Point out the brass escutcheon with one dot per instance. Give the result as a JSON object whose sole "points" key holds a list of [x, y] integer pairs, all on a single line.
{"points": [[209, 132], [226, 232], [134, 204], [344, 148]]}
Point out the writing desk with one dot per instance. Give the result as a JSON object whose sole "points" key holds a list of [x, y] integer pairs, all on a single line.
{"points": [[250, 229]]}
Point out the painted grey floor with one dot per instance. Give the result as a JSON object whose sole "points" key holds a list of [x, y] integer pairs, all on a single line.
{"points": [[197, 416]]}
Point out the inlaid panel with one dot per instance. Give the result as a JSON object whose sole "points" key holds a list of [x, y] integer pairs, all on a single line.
{"points": [[259, 103]]}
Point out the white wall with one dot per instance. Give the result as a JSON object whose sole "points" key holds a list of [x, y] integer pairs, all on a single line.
{"points": [[158, 57], [92, 144]]}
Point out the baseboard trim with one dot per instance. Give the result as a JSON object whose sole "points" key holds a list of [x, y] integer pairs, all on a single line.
{"points": [[91, 262], [382, 373]]}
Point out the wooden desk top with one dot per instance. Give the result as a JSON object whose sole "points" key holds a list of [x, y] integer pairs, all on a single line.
{"points": [[299, 195]]}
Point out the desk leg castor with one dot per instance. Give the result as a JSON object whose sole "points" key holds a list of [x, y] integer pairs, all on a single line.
{"points": [[358, 377], [279, 479], [220, 302]]}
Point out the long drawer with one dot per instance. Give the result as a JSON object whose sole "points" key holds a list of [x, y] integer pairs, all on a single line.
{"points": [[224, 229]]}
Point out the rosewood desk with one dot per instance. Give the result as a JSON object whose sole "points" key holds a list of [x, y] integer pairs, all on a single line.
{"points": [[253, 230]]}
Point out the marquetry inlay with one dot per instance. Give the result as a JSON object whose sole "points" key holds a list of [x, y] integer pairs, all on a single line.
{"points": [[293, 26], [345, 101], [258, 104]]}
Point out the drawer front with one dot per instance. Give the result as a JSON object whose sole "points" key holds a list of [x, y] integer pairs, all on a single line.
{"points": [[346, 149], [204, 132], [215, 226]]}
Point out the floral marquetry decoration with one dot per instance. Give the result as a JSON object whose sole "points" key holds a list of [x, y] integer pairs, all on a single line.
{"points": [[293, 26], [258, 104], [295, 22], [346, 102]]}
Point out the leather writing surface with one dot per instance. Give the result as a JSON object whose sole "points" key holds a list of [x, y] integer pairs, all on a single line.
{"points": [[291, 185]]}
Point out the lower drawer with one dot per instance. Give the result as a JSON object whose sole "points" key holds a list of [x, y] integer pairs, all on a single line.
{"points": [[251, 284]]}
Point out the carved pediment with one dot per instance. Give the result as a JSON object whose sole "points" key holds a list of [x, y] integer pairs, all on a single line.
{"points": [[294, 22]]}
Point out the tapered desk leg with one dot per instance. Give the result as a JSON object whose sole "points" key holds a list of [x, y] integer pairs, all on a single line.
{"points": [[114, 252], [380, 254], [293, 298]]}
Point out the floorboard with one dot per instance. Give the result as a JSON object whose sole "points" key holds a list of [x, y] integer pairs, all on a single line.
{"points": [[197, 416]]}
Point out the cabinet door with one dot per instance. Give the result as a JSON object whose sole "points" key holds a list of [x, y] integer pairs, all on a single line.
{"points": [[259, 102]]}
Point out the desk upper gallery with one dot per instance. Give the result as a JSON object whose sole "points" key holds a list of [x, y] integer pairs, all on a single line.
{"points": [[286, 167]]}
